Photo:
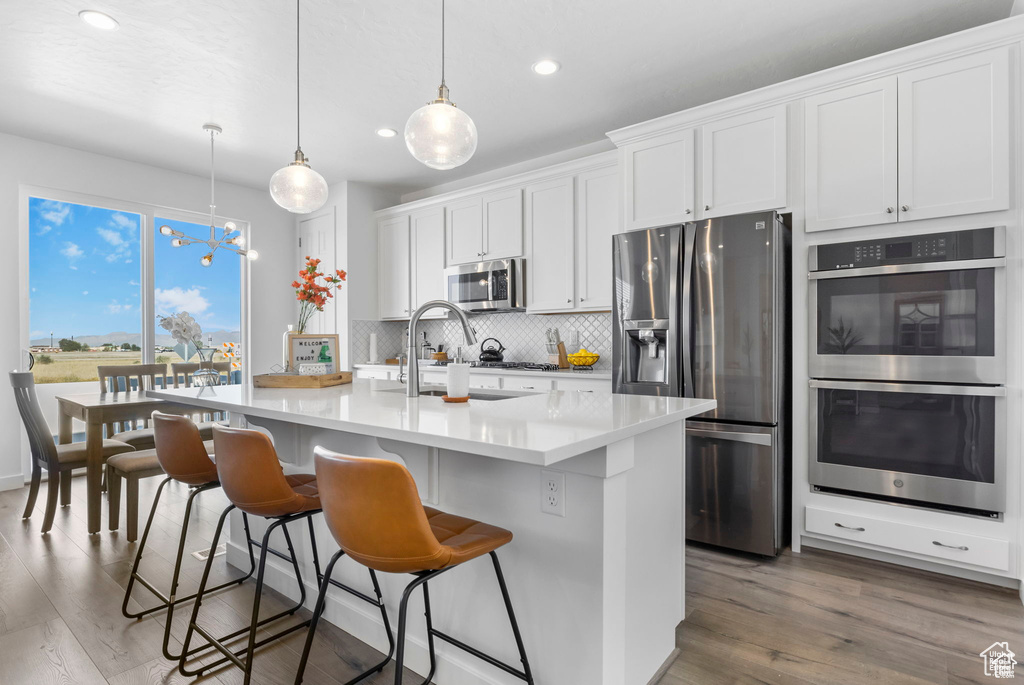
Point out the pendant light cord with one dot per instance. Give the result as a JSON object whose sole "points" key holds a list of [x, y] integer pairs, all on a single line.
{"points": [[298, 119], [442, 42], [213, 204]]}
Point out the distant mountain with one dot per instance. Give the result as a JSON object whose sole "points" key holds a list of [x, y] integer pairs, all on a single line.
{"points": [[119, 337]]}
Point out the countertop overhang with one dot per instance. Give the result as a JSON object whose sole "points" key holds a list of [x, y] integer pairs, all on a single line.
{"points": [[536, 428]]}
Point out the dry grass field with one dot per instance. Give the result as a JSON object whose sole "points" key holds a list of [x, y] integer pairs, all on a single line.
{"points": [[72, 367]]}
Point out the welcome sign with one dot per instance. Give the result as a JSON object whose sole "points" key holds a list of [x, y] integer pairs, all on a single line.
{"points": [[305, 348]]}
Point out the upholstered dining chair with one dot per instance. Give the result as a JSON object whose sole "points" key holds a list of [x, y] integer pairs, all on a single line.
{"points": [[58, 460]]}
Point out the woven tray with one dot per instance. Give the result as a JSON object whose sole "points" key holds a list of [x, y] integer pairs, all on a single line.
{"points": [[294, 380]]}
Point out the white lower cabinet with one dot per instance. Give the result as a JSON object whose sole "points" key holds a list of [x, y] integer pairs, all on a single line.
{"points": [[482, 382], [374, 374], [963, 548], [583, 384], [528, 383]]}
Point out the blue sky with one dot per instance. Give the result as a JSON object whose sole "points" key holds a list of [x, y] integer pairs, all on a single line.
{"points": [[85, 270]]}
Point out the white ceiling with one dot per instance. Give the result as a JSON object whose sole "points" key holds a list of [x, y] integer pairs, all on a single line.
{"points": [[143, 92]]}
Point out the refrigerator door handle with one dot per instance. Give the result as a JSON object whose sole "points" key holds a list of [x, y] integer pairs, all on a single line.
{"points": [[689, 238], [751, 438]]}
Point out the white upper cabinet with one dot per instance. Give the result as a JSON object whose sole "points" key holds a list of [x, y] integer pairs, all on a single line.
{"points": [[658, 178], [503, 225], [850, 156], [551, 225], [744, 163], [393, 266], [427, 259], [954, 137], [465, 231], [926, 143], [597, 220]]}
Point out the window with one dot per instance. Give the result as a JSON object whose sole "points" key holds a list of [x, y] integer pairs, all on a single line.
{"points": [[212, 295], [84, 289]]}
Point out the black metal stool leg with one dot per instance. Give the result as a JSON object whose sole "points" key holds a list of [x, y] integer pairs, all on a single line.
{"points": [[251, 649], [321, 601], [138, 555], [199, 596], [402, 614], [430, 634], [511, 618]]}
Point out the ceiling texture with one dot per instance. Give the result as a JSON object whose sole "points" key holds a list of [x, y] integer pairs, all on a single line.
{"points": [[143, 92]]}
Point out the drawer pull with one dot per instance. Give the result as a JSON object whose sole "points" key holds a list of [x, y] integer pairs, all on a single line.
{"points": [[527, 387], [962, 548], [584, 390], [859, 530]]}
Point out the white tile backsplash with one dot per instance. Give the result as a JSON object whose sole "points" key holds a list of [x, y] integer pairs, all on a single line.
{"points": [[523, 335]]}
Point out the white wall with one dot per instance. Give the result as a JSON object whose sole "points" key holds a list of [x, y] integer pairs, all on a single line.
{"points": [[33, 163]]}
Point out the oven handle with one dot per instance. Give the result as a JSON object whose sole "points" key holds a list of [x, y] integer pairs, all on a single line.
{"points": [[990, 263], [922, 388]]}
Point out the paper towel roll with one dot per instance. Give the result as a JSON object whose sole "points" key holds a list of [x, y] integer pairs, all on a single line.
{"points": [[373, 349], [458, 380]]}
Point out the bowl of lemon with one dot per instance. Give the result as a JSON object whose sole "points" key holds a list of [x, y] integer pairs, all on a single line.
{"points": [[583, 358]]}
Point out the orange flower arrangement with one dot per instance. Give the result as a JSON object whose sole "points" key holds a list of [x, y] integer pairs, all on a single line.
{"points": [[314, 295]]}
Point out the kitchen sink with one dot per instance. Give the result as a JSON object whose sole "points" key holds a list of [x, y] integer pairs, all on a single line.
{"points": [[484, 396]]}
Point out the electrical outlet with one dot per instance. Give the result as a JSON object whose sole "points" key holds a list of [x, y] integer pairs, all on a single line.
{"points": [[552, 492]]}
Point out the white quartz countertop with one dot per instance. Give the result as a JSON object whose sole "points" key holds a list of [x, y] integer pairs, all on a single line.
{"points": [[536, 428], [561, 373]]}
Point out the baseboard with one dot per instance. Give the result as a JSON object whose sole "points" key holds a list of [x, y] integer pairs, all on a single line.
{"points": [[363, 622], [663, 669], [12, 482]]}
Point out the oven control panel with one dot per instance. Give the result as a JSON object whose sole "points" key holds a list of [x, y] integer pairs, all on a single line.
{"points": [[931, 247]]}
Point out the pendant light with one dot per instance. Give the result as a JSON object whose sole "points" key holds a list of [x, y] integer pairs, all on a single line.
{"points": [[439, 134], [297, 187], [228, 240]]}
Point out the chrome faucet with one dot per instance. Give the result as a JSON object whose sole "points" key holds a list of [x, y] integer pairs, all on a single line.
{"points": [[413, 386]]}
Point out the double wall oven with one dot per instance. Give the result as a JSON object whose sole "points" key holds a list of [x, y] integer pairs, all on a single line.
{"points": [[908, 368]]}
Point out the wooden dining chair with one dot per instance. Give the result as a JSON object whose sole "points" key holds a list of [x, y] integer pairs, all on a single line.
{"points": [[117, 379], [58, 460]]}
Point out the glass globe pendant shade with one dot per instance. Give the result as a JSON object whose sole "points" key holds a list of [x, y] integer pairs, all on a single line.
{"points": [[298, 188], [441, 135]]}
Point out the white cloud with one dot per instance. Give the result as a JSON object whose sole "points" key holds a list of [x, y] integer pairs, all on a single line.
{"points": [[72, 251], [116, 307], [111, 236], [124, 221], [173, 300], [85, 292], [133, 283], [44, 230], [55, 212]]}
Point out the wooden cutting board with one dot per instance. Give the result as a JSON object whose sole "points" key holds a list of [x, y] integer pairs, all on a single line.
{"points": [[294, 380]]}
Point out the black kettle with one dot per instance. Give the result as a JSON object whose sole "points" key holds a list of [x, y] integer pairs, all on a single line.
{"points": [[492, 354]]}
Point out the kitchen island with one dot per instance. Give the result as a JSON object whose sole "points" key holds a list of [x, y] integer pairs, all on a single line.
{"points": [[597, 585]]}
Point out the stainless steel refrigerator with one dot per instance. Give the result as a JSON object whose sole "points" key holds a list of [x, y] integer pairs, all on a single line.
{"points": [[727, 339]]}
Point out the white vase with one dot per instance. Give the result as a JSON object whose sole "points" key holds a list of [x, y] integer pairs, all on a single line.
{"points": [[286, 349]]}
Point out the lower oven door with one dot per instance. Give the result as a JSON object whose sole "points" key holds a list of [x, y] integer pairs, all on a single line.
{"points": [[933, 444], [733, 486]]}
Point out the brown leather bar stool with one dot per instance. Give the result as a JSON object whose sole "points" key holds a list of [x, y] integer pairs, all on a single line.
{"points": [[181, 453], [373, 509], [254, 482]]}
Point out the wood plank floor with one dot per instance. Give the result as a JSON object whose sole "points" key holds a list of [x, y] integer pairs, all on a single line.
{"points": [[814, 618]]}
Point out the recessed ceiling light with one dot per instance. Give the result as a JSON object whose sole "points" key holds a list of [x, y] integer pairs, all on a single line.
{"points": [[98, 20], [546, 67], [387, 132]]}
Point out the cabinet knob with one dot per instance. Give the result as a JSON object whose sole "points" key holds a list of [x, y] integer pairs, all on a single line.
{"points": [[888, 210], [569, 300], [707, 207], [479, 254], [582, 299], [686, 211], [905, 208]]}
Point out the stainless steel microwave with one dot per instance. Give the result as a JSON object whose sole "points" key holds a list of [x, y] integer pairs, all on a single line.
{"points": [[495, 286]]}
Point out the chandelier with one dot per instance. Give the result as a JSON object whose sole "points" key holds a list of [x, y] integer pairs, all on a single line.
{"points": [[228, 239]]}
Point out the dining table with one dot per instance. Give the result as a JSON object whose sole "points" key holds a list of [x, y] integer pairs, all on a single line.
{"points": [[95, 410]]}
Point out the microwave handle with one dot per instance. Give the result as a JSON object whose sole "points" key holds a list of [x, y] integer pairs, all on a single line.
{"points": [[925, 389], [957, 265]]}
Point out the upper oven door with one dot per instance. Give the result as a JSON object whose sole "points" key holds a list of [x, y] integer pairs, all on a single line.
{"points": [[932, 322]]}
